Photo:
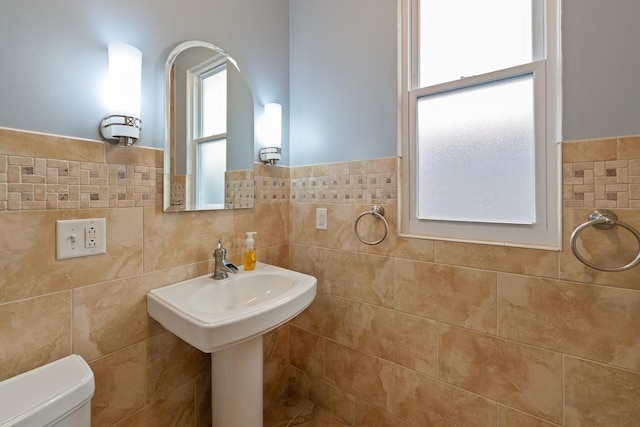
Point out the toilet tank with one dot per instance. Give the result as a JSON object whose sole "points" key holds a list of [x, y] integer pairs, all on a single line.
{"points": [[58, 394]]}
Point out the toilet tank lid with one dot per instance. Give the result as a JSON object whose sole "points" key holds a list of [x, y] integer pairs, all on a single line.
{"points": [[46, 393]]}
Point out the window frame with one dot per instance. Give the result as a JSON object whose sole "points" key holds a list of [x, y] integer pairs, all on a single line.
{"points": [[195, 77], [546, 231]]}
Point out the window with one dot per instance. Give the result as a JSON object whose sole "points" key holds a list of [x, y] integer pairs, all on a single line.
{"points": [[208, 130], [480, 121]]}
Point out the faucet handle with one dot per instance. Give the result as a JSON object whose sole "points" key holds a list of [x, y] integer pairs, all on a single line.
{"points": [[220, 252]]}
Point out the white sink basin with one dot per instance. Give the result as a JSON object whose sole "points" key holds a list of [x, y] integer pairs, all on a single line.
{"points": [[243, 291], [214, 314]]}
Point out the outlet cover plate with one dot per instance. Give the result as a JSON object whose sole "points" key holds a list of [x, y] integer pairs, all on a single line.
{"points": [[80, 237]]}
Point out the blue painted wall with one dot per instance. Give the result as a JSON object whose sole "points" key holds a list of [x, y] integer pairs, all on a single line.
{"points": [[54, 56], [330, 63]]}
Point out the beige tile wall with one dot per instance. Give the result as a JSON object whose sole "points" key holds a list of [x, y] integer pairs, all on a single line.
{"points": [[239, 191], [410, 332], [95, 306], [433, 333]]}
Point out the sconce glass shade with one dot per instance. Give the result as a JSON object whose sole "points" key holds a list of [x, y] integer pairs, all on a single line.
{"points": [[271, 134], [272, 125], [125, 68]]}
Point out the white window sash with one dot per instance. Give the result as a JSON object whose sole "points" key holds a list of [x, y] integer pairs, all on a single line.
{"points": [[546, 232]]}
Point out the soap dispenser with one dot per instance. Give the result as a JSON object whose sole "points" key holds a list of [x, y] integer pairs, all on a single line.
{"points": [[249, 252]]}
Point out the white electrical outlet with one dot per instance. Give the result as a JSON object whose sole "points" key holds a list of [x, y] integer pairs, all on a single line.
{"points": [[321, 218], [80, 237], [90, 236]]}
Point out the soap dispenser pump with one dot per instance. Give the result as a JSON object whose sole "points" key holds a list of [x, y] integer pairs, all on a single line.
{"points": [[249, 252]]}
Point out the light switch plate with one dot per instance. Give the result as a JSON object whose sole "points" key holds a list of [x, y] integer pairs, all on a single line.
{"points": [[80, 237], [321, 218]]}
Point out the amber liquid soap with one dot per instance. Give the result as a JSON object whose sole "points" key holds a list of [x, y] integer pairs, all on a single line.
{"points": [[249, 252]]}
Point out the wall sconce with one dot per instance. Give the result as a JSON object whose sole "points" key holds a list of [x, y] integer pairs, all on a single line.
{"points": [[122, 127], [270, 131]]}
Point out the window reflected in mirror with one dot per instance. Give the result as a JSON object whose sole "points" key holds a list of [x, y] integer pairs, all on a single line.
{"points": [[209, 131]]}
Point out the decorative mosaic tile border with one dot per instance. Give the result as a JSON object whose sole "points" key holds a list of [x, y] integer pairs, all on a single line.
{"points": [[602, 184], [270, 189], [359, 188], [34, 183], [239, 189], [177, 191], [28, 183]]}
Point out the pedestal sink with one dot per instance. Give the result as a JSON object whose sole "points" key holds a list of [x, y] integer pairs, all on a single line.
{"points": [[228, 318]]}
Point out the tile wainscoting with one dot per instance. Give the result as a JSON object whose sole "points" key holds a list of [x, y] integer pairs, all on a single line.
{"points": [[435, 333], [95, 306], [410, 332]]}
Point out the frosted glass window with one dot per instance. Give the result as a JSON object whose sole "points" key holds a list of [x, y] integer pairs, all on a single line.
{"points": [[211, 168], [214, 103], [476, 153], [480, 121], [462, 38]]}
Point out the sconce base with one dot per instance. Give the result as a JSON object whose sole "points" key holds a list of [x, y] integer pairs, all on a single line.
{"points": [[120, 130], [270, 155]]}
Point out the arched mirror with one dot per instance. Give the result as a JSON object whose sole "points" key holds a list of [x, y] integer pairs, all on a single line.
{"points": [[208, 150]]}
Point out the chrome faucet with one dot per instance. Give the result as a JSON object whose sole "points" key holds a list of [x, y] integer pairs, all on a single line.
{"points": [[221, 265]]}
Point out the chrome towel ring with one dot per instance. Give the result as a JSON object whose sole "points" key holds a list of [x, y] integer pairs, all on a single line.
{"points": [[377, 212], [604, 219]]}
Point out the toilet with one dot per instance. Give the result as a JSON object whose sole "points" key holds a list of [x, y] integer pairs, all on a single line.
{"points": [[58, 394]]}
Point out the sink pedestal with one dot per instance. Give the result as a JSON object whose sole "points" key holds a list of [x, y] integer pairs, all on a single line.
{"points": [[236, 384], [215, 316]]}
